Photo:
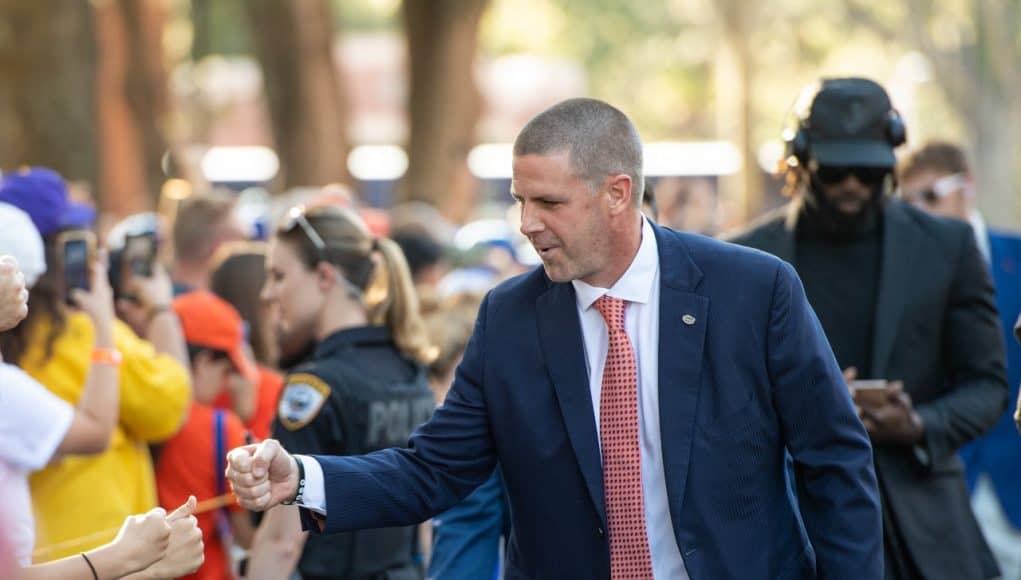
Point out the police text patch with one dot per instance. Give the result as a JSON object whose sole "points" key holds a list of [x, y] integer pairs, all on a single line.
{"points": [[302, 399]]}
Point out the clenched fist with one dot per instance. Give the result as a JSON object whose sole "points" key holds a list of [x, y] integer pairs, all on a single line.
{"points": [[262, 475], [13, 294]]}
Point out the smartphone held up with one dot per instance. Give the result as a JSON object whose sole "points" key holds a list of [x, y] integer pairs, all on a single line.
{"points": [[77, 254]]}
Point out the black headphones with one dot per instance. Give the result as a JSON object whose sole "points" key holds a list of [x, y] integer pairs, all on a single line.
{"points": [[797, 144]]}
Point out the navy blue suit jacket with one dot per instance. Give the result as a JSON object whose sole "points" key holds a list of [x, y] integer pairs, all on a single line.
{"points": [[753, 376], [997, 453]]}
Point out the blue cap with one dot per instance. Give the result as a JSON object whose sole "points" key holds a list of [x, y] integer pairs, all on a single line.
{"points": [[42, 194]]}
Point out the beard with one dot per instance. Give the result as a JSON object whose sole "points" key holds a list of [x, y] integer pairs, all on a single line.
{"points": [[837, 223]]}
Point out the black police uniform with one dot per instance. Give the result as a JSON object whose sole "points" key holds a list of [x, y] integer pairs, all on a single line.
{"points": [[356, 395]]}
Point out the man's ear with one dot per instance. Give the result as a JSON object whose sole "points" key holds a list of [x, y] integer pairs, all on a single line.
{"points": [[621, 192]]}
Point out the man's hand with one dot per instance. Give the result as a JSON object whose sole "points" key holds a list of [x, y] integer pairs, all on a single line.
{"points": [[13, 294], [262, 475], [185, 552], [896, 421]]}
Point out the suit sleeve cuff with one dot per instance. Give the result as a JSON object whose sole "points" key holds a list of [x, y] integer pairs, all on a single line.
{"points": [[314, 498]]}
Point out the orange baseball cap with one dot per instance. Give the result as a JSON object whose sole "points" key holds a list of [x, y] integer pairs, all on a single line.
{"points": [[211, 322]]}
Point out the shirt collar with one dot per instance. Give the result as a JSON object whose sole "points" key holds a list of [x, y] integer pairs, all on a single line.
{"points": [[636, 283], [355, 336], [978, 224]]}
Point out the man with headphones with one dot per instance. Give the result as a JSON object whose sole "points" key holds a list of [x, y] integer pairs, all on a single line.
{"points": [[906, 301]]}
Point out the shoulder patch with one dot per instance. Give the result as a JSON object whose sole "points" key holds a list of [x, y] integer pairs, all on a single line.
{"points": [[302, 399]]}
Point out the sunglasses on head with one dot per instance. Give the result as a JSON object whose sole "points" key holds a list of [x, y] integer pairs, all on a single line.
{"points": [[833, 174], [296, 218], [940, 189]]}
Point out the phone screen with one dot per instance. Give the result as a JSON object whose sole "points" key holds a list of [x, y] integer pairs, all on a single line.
{"points": [[76, 266], [140, 254]]}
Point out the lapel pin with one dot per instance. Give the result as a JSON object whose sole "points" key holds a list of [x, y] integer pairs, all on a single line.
{"points": [[688, 319]]}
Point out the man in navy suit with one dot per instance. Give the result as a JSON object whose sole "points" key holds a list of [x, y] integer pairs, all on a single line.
{"points": [[936, 178], [640, 391]]}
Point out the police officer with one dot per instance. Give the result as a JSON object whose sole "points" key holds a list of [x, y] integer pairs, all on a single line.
{"points": [[364, 389]]}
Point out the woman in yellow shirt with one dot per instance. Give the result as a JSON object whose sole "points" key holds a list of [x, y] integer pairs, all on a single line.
{"points": [[76, 497]]}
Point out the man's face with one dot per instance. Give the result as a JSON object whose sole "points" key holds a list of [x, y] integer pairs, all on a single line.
{"points": [[847, 191], [565, 222], [938, 192]]}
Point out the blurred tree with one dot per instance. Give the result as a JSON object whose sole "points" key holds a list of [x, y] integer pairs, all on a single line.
{"points": [[134, 103], [735, 68], [444, 101], [293, 40], [219, 28], [47, 95], [974, 47], [55, 59]]}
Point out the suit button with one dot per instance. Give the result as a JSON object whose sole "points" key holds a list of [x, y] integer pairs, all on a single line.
{"points": [[601, 532]]}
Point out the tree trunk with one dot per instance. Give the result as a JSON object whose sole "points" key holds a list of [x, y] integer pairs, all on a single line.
{"points": [[133, 104], [47, 92], [997, 142], [444, 102], [981, 80], [734, 84], [293, 41]]}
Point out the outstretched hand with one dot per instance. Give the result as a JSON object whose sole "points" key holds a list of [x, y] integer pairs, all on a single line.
{"points": [[262, 475]]}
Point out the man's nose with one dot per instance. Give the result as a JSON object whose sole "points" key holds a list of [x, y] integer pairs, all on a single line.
{"points": [[530, 221]]}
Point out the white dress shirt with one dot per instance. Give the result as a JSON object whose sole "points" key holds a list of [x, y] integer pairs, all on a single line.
{"points": [[639, 286]]}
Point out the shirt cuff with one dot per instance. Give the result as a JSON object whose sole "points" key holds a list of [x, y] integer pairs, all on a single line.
{"points": [[314, 497]]}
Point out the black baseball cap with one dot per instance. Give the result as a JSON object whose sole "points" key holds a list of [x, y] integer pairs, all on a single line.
{"points": [[849, 124]]}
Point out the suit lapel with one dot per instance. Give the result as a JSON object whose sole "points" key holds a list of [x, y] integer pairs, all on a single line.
{"points": [[900, 244], [683, 317], [560, 333]]}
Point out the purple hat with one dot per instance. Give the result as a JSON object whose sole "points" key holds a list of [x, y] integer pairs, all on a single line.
{"points": [[42, 194]]}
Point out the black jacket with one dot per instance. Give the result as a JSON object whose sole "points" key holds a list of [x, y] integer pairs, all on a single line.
{"points": [[936, 329], [356, 394]]}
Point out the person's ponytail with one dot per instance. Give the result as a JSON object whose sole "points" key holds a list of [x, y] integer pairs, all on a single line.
{"points": [[392, 301]]}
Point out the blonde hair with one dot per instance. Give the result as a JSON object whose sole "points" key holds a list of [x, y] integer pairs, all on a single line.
{"points": [[449, 322], [375, 266]]}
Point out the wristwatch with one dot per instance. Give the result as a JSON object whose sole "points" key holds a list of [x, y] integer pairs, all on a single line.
{"points": [[301, 484]]}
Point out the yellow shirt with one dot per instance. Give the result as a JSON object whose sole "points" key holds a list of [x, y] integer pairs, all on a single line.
{"points": [[81, 496]]}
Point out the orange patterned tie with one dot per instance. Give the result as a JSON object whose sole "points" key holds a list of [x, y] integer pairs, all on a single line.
{"points": [[622, 458]]}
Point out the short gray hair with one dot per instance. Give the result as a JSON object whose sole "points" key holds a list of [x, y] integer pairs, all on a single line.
{"points": [[600, 140]]}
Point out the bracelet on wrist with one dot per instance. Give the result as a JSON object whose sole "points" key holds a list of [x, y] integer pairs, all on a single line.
{"points": [[95, 575], [300, 495], [107, 356]]}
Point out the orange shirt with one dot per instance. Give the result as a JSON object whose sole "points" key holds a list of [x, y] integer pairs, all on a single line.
{"points": [[267, 399], [186, 467]]}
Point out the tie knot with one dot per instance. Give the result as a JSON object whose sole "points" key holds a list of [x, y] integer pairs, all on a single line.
{"points": [[612, 310]]}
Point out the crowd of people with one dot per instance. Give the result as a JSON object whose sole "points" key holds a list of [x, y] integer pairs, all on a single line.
{"points": [[578, 392]]}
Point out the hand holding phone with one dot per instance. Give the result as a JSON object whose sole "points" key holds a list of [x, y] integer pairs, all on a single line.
{"points": [[139, 254], [870, 393], [77, 254], [97, 302]]}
